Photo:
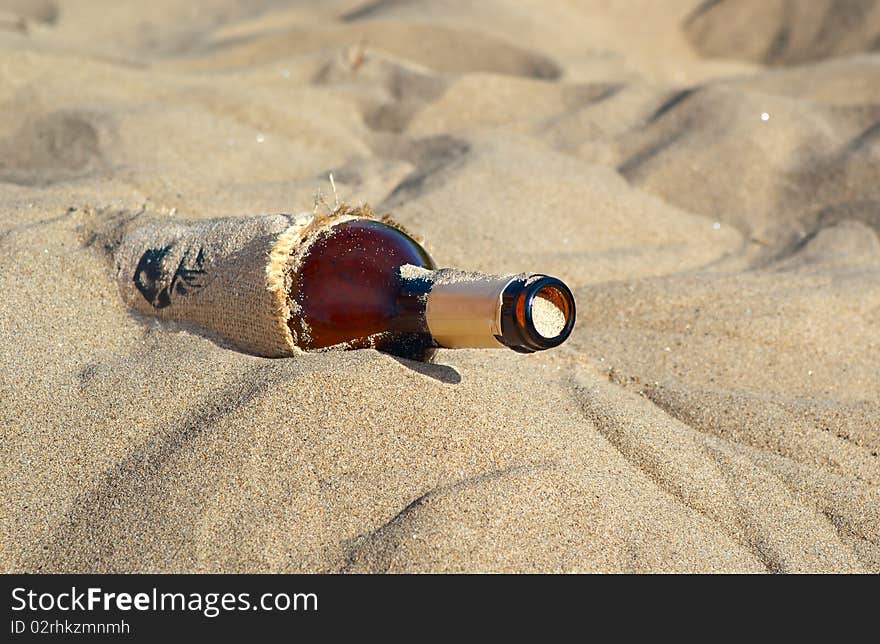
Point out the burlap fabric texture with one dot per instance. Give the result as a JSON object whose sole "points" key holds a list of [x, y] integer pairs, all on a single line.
{"points": [[228, 276]]}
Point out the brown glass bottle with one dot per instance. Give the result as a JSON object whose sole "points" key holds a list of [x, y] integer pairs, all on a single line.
{"points": [[364, 283]]}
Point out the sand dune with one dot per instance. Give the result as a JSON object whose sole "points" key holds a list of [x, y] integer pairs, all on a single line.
{"points": [[778, 32], [709, 189]]}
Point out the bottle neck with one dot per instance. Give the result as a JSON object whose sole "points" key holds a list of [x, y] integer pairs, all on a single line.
{"points": [[461, 309]]}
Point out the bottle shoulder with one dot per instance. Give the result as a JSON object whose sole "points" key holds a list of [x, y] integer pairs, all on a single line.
{"points": [[347, 286]]}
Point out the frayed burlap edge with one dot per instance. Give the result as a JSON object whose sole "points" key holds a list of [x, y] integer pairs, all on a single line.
{"points": [[287, 254], [252, 310]]}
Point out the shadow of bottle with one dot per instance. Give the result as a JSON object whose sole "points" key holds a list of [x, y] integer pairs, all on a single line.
{"points": [[441, 372]]}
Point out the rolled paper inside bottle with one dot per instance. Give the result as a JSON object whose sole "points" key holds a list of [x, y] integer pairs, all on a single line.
{"points": [[227, 276]]}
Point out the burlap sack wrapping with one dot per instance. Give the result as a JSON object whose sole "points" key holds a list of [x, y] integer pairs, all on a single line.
{"points": [[225, 275]]}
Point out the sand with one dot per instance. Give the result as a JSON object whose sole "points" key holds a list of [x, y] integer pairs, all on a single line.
{"points": [[549, 319], [709, 189]]}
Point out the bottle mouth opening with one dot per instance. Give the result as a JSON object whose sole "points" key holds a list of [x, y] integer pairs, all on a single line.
{"points": [[548, 312], [538, 313]]}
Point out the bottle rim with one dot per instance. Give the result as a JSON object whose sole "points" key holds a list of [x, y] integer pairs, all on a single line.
{"points": [[517, 321]]}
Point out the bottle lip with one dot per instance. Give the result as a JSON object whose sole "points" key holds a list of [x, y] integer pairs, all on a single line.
{"points": [[517, 322]]}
